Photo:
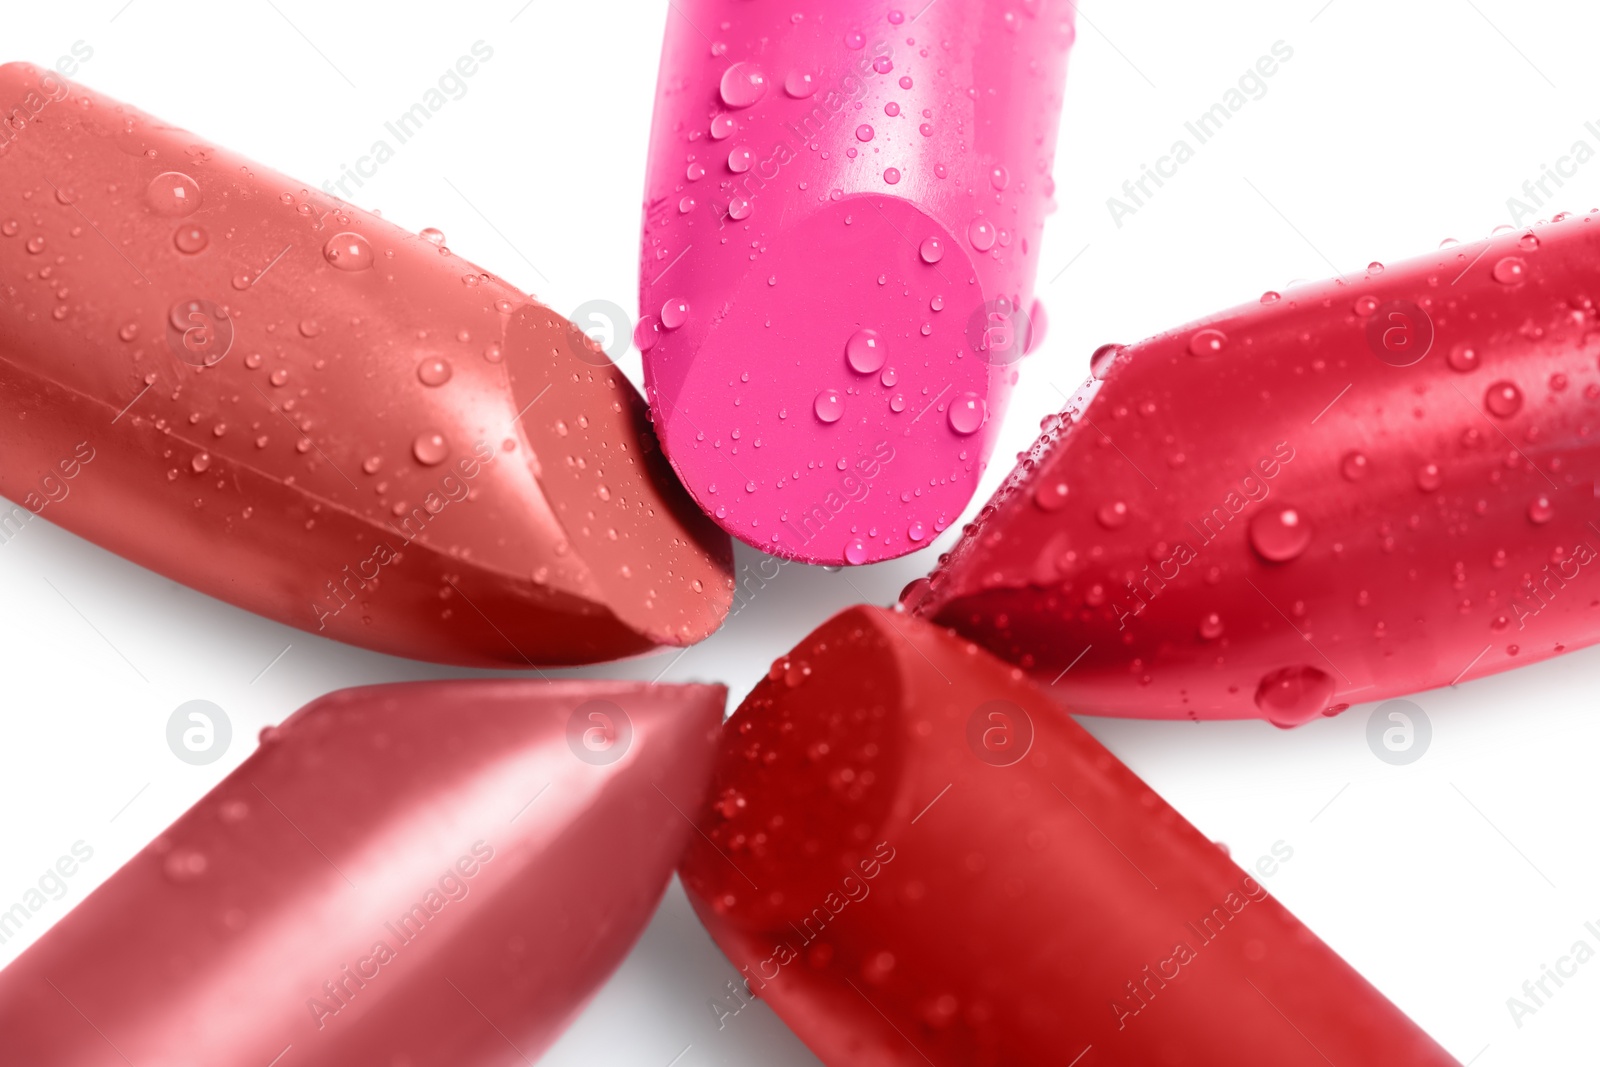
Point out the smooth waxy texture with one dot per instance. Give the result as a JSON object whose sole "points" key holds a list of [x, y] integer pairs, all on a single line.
{"points": [[436, 873], [915, 858], [842, 225], [295, 406], [1354, 490]]}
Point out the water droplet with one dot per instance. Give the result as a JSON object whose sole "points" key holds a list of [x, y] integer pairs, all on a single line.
{"points": [[278, 377], [932, 250], [372, 464], [1207, 342], [1354, 466], [1463, 358], [1113, 516], [739, 159], [1270, 297], [855, 552], [184, 864], [191, 239], [10, 228], [892, 176], [1211, 626], [310, 328], [674, 313], [646, 333], [35, 244], [1429, 477], [981, 233], [829, 406], [433, 236], [1050, 496], [201, 462], [1100, 363], [967, 413], [799, 84], [916, 531], [1540, 510], [1294, 695], [743, 84], [722, 127], [863, 132], [431, 449], [1503, 399], [738, 208], [905, 81], [173, 194], [434, 371], [1374, 267], [891, 109], [1510, 270], [1280, 534], [866, 351], [855, 41], [129, 331], [999, 177], [348, 251], [883, 64]]}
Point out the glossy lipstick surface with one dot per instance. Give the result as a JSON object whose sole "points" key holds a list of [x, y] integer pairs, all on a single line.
{"points": [[436, 873], [1358, 489], [842, 225], [293, 405], [915, 858]]}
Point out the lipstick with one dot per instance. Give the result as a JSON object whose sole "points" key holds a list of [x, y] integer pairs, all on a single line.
{"points": [[843, 216], [288, 403], [1357, 489], [914, 857], [427, 873]]}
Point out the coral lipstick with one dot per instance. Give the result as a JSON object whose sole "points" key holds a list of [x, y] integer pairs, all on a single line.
{"points": [[435, 873], [291, 404], [1358, 489], [843, 216]]}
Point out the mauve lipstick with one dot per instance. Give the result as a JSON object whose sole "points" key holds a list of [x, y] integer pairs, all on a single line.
{"points": [[431, 873]]}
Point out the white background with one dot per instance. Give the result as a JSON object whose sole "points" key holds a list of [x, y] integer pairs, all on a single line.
{"points": [[1448, 882]]}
